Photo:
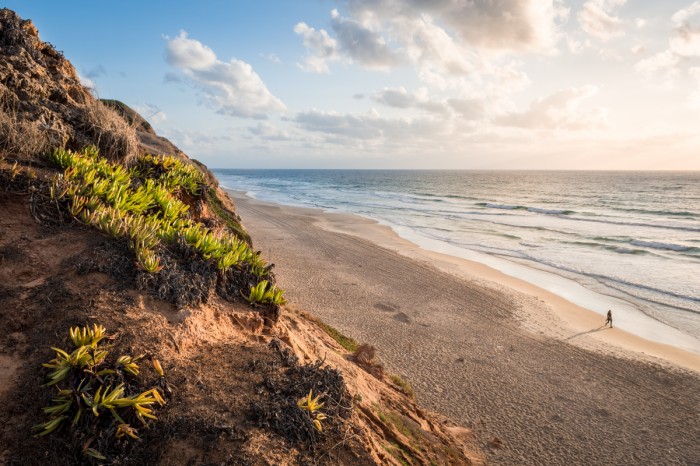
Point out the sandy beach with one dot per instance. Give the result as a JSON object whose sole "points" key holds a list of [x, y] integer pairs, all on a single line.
{"points": [[512, 361]]}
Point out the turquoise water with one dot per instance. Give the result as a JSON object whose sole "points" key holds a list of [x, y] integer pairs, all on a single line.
{"points": [[634, 236]]}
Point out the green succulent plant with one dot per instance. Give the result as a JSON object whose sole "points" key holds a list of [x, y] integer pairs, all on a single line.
{"points": [[88, 381]]}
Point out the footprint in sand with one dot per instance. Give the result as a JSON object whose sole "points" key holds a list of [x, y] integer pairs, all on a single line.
{"points": [[401, 317], [385, 307]]}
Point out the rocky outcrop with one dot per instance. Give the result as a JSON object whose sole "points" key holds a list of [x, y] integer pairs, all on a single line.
{"points": [[43, 104]]}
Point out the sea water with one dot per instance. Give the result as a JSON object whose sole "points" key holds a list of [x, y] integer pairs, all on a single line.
{"points": [[629, 239]]}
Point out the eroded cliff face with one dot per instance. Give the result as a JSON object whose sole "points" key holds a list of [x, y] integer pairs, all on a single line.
{"points": [[43, 104], [234, 376]]}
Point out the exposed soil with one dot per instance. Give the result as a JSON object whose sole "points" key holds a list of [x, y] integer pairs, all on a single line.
{"points": [[235, 380]]}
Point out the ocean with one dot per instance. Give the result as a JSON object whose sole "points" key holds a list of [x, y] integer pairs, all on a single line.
{"points": [[628, 240]]}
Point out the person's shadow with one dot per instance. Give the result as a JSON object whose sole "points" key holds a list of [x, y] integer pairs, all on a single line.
{"points": [[602, 327]]}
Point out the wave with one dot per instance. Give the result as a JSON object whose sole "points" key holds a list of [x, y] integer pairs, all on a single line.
{"points": [[607, 279], [636, 224], [607, 247], [663, 246], [446, 196], [663, 213], [550, 211], [535, 210], [501, 206]]}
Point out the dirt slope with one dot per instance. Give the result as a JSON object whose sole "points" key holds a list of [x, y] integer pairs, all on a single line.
{"points": [[233, 374]]}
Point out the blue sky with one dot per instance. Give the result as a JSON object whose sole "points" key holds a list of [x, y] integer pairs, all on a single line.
{"points": [[515, 84]]}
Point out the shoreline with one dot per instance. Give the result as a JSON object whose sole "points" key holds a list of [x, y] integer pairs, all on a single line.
{"points": [[479, 350], [550, 314]]}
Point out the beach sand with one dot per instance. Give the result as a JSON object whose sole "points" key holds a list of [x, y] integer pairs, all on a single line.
{"points": [[540, 380]]}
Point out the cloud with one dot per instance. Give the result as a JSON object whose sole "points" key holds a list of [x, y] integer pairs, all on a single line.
{"points": [[340, 128], [560, 110], [694, 100], [87, 82], [515, 25], [470, 109], [462, 108], [320, 47], [151, 112], [597, 20], [95, 72], [686, 38], [361, 44], [683, 44], [353, 42], [171, 77], [195, 142], [231, 88], [442, 38], [271, 57], [269, 132], [398, 97], [663, 64]]}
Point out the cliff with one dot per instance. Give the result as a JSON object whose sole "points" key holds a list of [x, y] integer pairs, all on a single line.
{"points": [[96, 232]]}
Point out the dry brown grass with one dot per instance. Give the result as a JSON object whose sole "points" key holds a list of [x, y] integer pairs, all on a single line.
{"points": [[91, 124], [104, 128], [22, 139]]}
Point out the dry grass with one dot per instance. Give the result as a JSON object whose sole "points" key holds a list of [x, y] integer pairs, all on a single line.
{"points": [[104, 128], [403, 385], [22, 139], [93, 124]]}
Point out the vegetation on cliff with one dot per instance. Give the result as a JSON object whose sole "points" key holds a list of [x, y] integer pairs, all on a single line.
{"points": [[101, 229]]}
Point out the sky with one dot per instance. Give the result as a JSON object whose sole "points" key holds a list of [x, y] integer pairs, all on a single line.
{"points": [[398, 84]]}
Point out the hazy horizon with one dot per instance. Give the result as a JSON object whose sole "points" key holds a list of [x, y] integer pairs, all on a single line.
{"points": [[390, 84]]}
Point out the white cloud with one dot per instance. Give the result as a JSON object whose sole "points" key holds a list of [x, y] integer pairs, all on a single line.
{"points": [[195, 142], [663, 64], [469, 109], [694, 100], [684, 14], [269, 132], [151, 112], [521, 25], [189, 54], [87, 82], [461, 108], [370, 127], [395, 97], [361, 44], [686, 38], [683, 44], [443, 39], [640, 23], [231, 88], [597, 20], [271, 57], [320, 47], [560, 110]]}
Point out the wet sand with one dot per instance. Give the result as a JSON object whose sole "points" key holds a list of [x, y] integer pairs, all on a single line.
{"points": [[508, 359]]}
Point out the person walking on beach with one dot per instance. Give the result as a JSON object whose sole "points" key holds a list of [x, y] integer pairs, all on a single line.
{"points": [[609, 319]]}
